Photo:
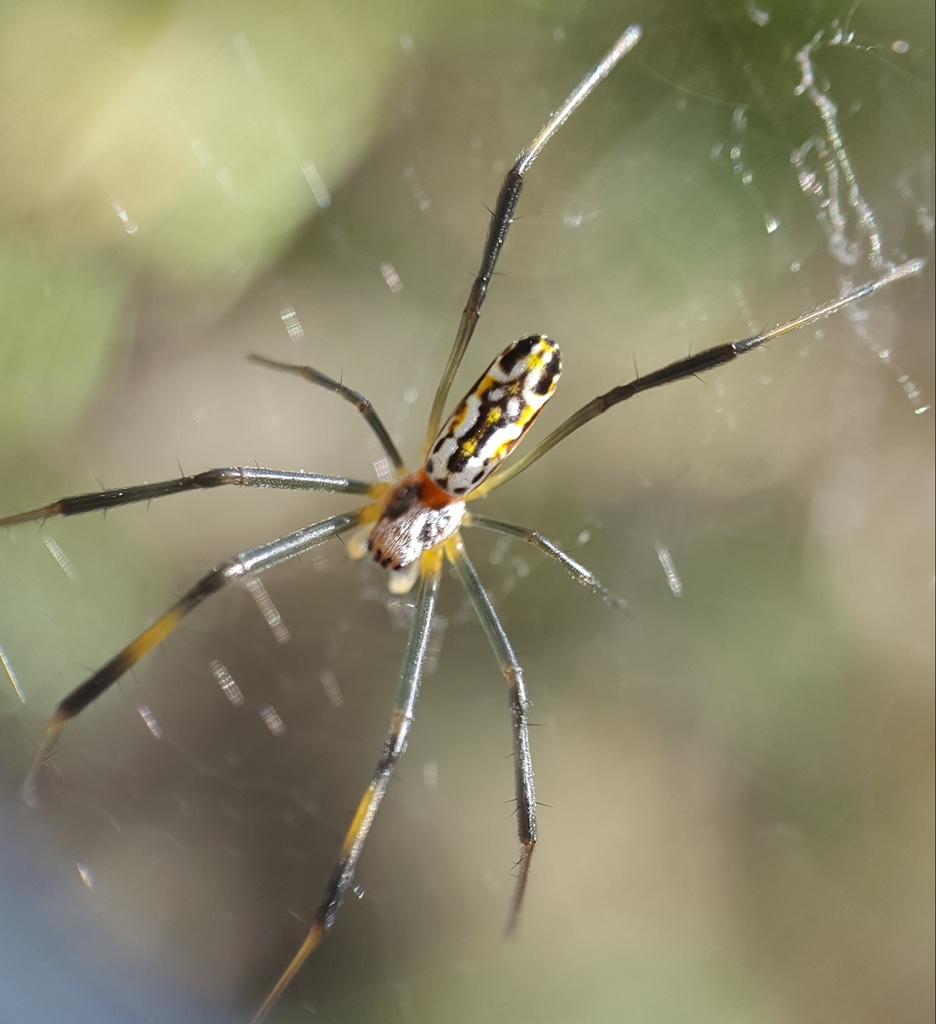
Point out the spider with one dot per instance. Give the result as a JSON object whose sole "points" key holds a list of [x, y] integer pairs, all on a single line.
{"points": [[413, 525]]}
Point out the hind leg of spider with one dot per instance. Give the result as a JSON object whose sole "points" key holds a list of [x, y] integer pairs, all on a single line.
{"points": [[395, 744], [502, 218], [691, 366], [513, 673], [248, 563], [237, 476], [577, 572], [359, 402]]}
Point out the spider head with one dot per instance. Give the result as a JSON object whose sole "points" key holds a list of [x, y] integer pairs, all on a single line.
{"points": [[416, 515]]}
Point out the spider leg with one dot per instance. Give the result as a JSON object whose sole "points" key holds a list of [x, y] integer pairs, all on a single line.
{"points": [[513, 673], [238, 476], [689, 367], [394, 746], [359, 402], [578, 572], [502, 218], [248, 563]]}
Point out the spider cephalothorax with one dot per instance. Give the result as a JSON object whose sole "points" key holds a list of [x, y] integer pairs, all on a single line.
{"points": [[416, 515]]}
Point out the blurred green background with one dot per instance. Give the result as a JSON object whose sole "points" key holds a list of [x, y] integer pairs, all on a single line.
{"points": [[737, 784]]}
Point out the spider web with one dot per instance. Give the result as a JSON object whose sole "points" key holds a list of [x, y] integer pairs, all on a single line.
{"points": [[752, 752]]}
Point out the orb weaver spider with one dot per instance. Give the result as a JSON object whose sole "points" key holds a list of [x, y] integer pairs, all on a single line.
{"points": [[413, 525]]}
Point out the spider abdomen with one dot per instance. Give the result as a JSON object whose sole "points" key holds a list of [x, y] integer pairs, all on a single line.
{"points": [[416, 516], [495, 414]]}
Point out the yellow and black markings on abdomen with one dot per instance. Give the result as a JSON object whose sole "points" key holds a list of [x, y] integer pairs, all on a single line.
{"points": [[494, 415]]}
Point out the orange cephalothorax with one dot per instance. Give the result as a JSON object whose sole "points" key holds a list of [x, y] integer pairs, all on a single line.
{"points": [[416, 515]]}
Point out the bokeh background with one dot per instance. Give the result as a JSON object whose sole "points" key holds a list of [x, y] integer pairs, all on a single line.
{"points": [[738, 782]]}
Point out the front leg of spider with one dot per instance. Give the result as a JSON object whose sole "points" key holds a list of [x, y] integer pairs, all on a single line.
{"points": [[246, 564], [401, 721], [513, 674]]}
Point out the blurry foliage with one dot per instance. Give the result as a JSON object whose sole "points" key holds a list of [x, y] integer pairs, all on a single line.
{"points": [[172, 139]]}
